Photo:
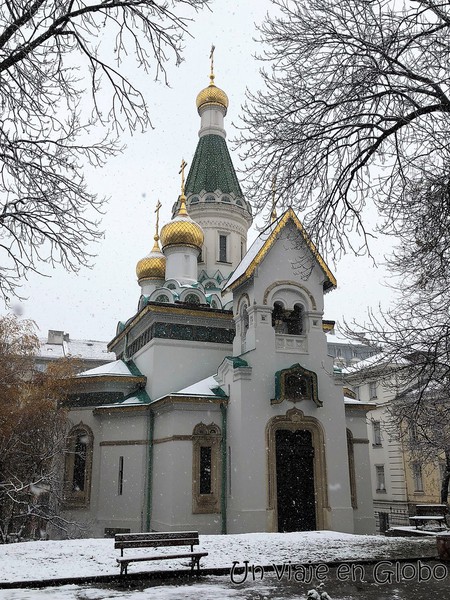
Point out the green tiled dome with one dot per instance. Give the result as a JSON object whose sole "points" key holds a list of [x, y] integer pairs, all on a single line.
{"points": [[212, 168]]}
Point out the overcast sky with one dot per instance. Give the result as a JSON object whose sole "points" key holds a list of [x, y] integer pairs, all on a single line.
{"points": [[88, 305]]}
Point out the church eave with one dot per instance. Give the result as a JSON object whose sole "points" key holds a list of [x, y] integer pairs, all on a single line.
{"points": [[192, 399], [329, 283]]}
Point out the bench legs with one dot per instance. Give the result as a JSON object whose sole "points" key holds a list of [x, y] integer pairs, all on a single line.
{"points": [[195, 561]]}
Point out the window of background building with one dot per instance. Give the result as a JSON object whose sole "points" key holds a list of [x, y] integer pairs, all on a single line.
{"points": [[380, 478], [417, 477], [376, 431], [372, 389]]}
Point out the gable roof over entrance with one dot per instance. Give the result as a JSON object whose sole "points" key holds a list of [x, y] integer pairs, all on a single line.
{"points": [[265, 241]]}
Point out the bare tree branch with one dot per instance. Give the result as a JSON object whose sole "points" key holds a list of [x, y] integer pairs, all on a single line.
{"points": [[58, 60]]}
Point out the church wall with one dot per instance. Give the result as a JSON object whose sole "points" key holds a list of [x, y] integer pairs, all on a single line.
{"points": [[171, 365], [249, 413], [125, 509], [172, 507], [118, 434], [215, 220], [123, 434], [289, 274], [86, 517], [363, 513]]}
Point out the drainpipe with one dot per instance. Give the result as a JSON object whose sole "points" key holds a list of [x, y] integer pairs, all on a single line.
{"points": [[149, 469], [223, 499]]}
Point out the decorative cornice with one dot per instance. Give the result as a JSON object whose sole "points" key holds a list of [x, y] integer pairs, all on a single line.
{"points": [[167, 309]]}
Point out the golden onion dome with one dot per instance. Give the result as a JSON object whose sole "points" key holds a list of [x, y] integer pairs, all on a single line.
{"points": [[182, 230], [212, 95], [152, 266]]}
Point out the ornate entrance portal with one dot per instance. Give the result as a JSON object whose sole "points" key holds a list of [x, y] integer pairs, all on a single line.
{"points": [[297, 490], [295, 480]]}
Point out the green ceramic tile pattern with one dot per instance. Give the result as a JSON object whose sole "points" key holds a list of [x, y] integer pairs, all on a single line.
{"points": [[212, 168]]}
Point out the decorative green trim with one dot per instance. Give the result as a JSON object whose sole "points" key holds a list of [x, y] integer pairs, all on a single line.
{"points": [[133, 368], [237, 361], [218, 391], [223, 495], [149, 470], [309, 377], [179, 331]]}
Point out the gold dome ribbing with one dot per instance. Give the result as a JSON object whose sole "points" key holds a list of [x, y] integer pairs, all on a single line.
{"points": [[182, 230], [152, 266], [212, 95]]}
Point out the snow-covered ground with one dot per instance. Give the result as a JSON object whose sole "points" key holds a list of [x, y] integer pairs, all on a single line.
{"points": [[88, 557]]}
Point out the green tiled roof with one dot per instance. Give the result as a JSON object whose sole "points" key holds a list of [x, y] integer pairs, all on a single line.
{"points": [[212, 169]]}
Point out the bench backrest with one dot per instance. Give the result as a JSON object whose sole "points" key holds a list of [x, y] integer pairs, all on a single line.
{"points": [[431, 509], [154, 540]]}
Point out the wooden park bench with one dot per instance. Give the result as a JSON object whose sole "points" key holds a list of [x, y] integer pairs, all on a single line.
{"points": [[125, 541], [421, 519], [429, 512]]}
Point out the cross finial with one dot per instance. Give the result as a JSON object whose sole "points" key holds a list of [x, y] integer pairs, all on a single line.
{"points": [[211, 58], [181, 172], [158, 208], [273, 214]]}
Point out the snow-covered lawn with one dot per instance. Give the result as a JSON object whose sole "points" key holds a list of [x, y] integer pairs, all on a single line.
{"points": [[88, 557]]}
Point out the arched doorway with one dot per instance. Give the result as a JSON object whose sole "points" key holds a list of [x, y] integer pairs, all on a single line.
{"points": [[296, 502], [297, 492]]}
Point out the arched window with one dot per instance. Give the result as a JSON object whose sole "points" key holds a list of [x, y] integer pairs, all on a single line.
{"points": [[226, 199], [171, 286], [239, 202], [194, 200], [206, 471], [210, 199], [78, 466], [192, 299], [162, 298], [244, 318], [294, 320], [278, 321]]}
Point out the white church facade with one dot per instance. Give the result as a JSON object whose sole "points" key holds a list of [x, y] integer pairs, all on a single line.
{"points": [[222, 412]]}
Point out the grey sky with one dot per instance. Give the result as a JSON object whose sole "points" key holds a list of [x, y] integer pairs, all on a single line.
{"points": [[88, 305]]}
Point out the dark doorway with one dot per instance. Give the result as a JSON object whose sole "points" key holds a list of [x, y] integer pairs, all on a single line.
{"points": [[295, 480]]}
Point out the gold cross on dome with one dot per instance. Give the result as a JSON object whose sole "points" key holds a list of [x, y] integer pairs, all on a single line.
{"points": [[211, 58], [158, 208], [181, 172]]}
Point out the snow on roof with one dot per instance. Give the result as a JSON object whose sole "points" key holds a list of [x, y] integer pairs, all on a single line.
{"points": [[351, 401], [86, 349], [204, 387], [336, 337], [118, 367], [251, 253], [372, 361]]}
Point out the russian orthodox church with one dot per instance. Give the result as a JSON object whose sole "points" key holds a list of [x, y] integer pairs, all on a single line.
{"points": [[223, 412]]}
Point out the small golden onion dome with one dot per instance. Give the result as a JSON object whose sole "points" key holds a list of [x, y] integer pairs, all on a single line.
{"points": [[212, 95], [152, 266], [182, 230]]}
